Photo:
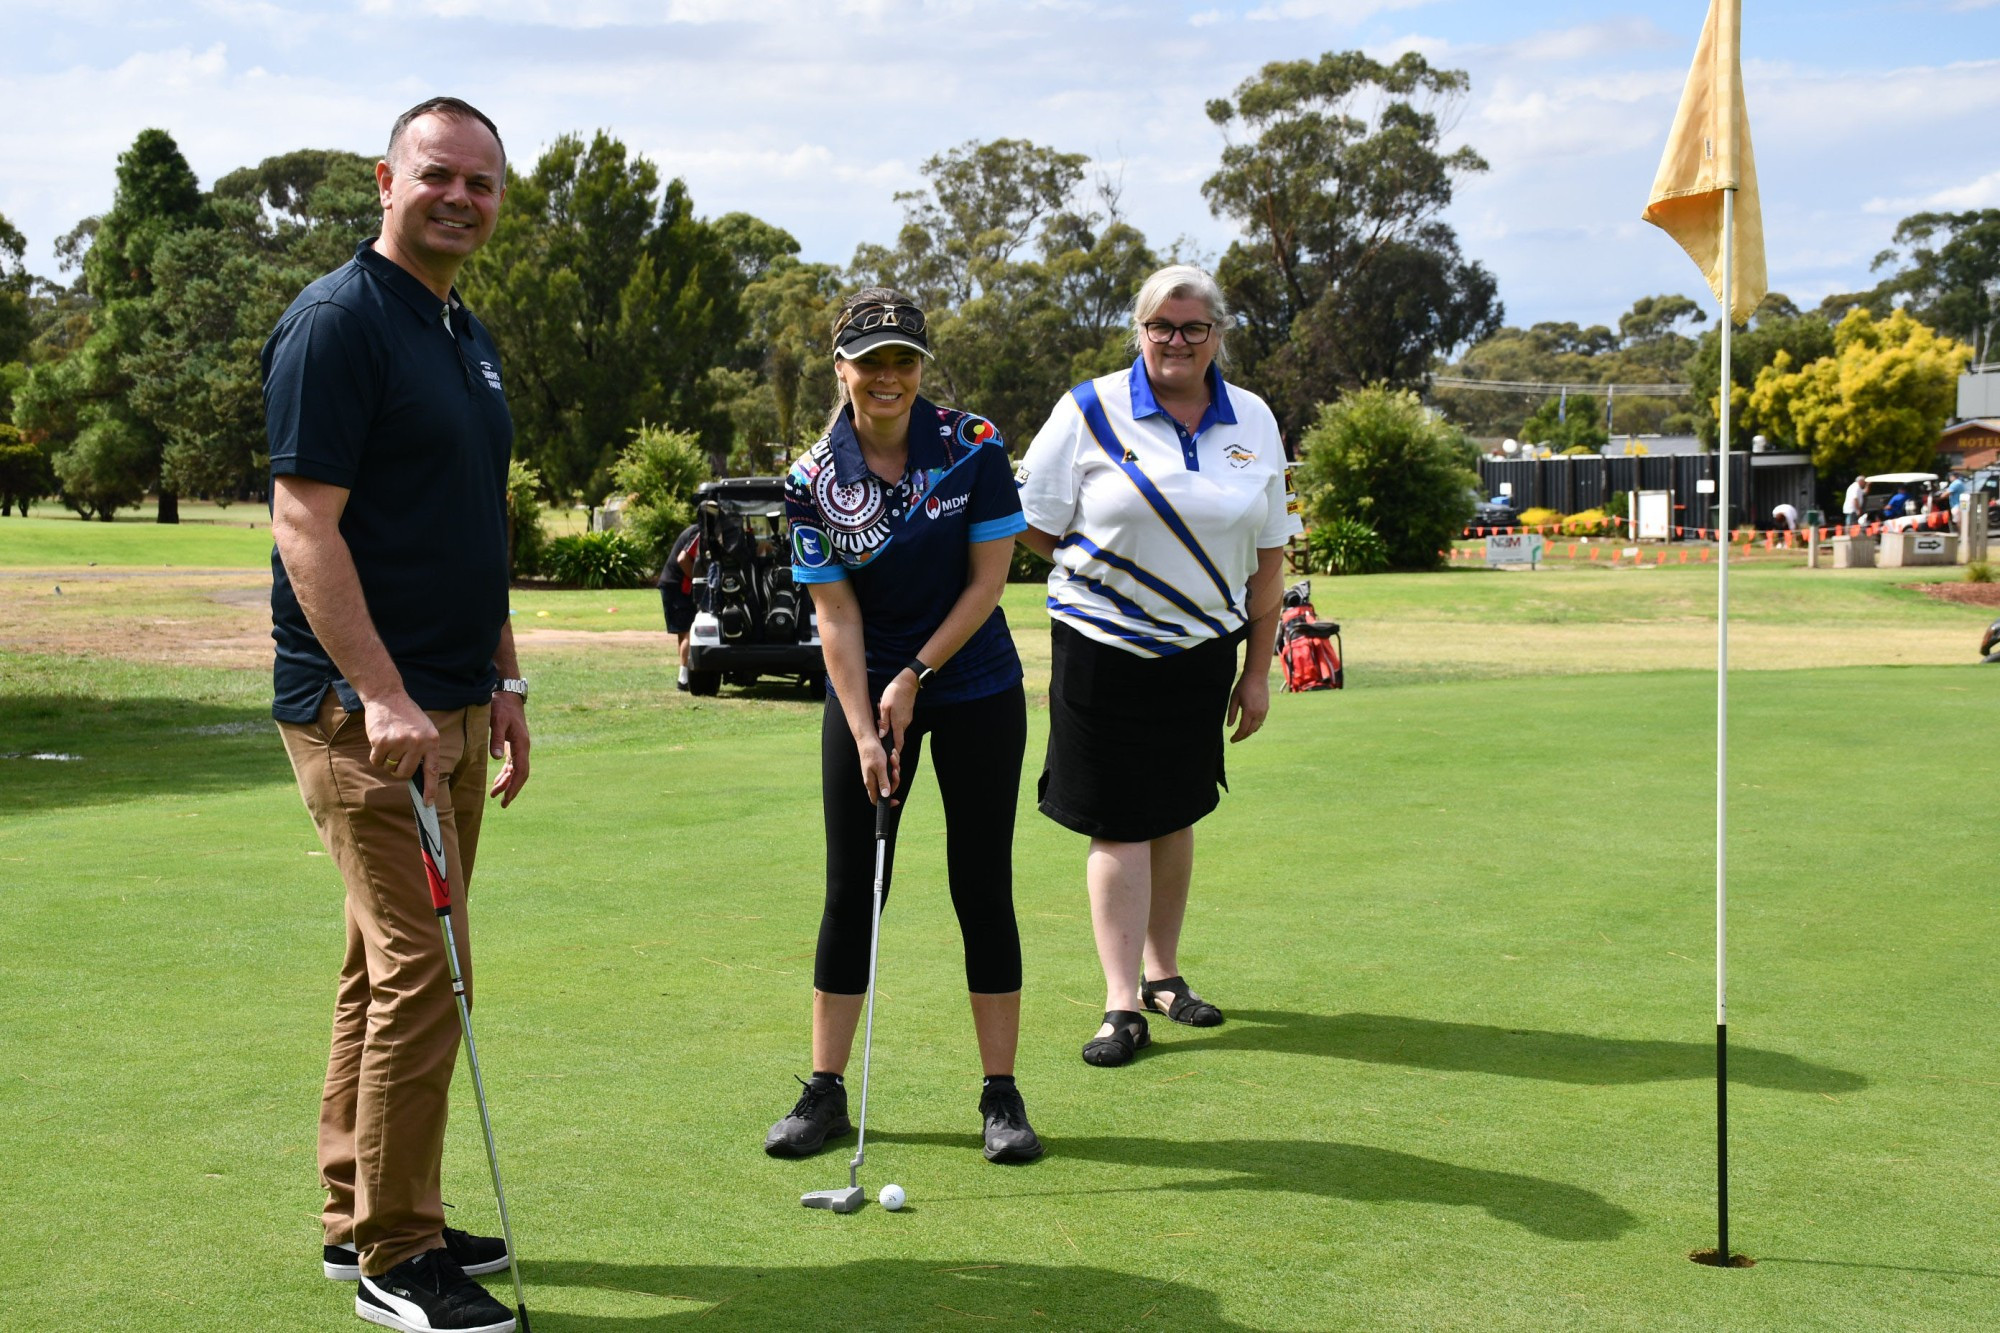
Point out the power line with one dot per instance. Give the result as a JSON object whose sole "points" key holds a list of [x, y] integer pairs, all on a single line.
{"points": [[1580, 390]]}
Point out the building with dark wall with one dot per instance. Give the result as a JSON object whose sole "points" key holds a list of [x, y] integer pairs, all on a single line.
{"points": [[1572, 483]]}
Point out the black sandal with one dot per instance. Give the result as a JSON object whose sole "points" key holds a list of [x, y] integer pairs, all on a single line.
{"points": [[1128, 1037], [1187, 1007]]}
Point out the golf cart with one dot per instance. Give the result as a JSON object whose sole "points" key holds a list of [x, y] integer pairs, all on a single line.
{"points": [[1915, 488], [749, 620]]}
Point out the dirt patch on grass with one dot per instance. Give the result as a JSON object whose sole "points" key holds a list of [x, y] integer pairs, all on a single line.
{"points": [[1964, 594]]}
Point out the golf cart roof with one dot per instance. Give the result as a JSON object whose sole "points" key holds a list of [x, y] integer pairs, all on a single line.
{"points": [[1900, 478], [743, 495]]}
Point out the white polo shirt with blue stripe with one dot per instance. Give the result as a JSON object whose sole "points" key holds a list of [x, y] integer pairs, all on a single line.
{"points": [[1157, 528]]}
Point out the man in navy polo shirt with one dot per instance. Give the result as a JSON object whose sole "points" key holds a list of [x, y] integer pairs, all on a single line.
{"points": [[389, 436]]}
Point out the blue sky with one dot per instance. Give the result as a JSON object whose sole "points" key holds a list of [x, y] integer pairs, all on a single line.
{"points": [[813, 113]]}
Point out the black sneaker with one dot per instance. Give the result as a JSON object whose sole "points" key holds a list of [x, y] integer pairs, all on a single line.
{"points": [[474, 1254], [821, 1114], [430, 1294], [1009, 1136]]}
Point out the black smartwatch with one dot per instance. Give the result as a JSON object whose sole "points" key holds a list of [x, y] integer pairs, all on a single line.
{"points": [[922, 672]]}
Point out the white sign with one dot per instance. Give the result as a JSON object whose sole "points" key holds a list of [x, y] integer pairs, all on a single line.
{"points": [[1656, 515], [1514, 549], [1704, 486]]}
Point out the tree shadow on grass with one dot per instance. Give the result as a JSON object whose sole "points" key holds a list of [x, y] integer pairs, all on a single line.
{"points": [[1349, 1171], [1478, 1048], [872, 1294], [130, 748]]}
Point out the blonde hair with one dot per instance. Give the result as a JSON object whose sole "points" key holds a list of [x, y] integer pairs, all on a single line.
{"points": [[1178, 280]]}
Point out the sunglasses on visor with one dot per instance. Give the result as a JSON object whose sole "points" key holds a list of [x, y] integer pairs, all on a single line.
{"points": [[869, 318]]}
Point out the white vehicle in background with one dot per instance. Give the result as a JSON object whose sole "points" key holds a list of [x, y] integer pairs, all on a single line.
{"points": [[1915, 487]]}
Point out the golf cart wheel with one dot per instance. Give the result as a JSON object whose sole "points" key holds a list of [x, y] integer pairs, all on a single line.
{"points": [[816, 687], [704, 683]]}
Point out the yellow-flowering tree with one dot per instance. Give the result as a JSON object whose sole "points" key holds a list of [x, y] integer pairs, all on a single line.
{"points": [[1876, 405]]}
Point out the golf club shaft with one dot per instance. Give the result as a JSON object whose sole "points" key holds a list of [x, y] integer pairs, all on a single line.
{"points": [[485, 1120], [430, 841], [874, 945]]}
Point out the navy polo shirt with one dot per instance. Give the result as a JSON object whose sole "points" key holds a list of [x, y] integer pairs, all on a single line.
{"points": [[373, 384], [903, 547]]}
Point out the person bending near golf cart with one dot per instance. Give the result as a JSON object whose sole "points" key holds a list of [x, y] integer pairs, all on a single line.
{"points": [[389, 439], [902, 522], [1159, 494]]}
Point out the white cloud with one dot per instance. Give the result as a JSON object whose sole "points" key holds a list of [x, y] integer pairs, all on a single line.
{"points": [[1335, 11], [1981, 193]]}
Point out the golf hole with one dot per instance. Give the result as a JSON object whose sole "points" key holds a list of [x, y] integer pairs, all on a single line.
{"points": [[1710, 1258]]}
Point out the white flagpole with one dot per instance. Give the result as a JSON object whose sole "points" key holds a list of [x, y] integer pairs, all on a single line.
{"points": [[1722, 751]]}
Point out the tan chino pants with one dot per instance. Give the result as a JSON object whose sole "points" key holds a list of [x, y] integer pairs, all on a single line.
{"points": [[395, 1025]]}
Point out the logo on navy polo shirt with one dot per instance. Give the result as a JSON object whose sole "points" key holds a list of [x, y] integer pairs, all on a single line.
{"points": [[809, 547], [936, 508], [487, 369]]}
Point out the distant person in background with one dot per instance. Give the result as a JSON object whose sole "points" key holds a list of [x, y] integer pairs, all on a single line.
{"points": [[1899, 505], [676, 585], [1785, 516], [1853, 503], [1954, 494]]}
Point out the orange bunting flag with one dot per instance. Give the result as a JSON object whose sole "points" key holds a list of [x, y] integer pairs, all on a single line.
{"points": [[1704, 555], [1572, 550], [1708, 154], [1593, 552]]}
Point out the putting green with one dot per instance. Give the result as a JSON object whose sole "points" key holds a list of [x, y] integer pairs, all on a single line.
{"points": [[1463, 928]]}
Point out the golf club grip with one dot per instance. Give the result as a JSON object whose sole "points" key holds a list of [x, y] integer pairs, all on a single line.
{"points": [[434, 875], [881, 818]]}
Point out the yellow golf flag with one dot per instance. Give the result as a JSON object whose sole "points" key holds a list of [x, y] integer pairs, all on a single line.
{"points": [[1708, 152]]}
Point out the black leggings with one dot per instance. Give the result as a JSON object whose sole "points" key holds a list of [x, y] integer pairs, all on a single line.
{"points": [[976, 747]]}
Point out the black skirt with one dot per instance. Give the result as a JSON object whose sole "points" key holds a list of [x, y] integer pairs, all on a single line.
{"points": [[1135, 743]]}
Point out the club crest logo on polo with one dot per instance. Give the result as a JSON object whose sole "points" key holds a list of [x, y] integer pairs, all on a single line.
{"points": [[492, 374], [809, 547], [1238, 456]]}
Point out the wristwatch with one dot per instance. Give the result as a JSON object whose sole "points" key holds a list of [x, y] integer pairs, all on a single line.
{"points": [[513, 685], [922, 672]]}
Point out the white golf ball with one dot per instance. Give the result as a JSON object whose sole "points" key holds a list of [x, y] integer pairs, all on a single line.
{"points": [[891, 1197]]}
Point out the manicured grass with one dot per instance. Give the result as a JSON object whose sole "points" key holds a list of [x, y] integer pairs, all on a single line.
{"points": [[1462, 927]]}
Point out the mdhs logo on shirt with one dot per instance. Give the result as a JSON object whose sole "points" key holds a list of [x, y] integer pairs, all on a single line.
{"points": [[936, 508], [492, 375], [1238, 456]]}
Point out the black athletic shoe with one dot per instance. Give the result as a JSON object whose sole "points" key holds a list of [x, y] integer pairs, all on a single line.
{"points": [[1009, 1136], [821, 1114], [474, 1254], [430, 1294]]}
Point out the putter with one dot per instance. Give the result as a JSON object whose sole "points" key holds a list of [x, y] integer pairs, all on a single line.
{"points": [[435, 873], [850, 1199]]}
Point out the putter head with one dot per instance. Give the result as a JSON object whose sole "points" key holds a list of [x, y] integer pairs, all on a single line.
{"points": [[846, 1200]]}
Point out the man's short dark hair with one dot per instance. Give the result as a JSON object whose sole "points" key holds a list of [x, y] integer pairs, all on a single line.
{"points": [[451, 108]]}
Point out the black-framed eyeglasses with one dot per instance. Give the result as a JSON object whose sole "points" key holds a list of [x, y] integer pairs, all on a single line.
{"points": [[869, 318], [1160, 331]]}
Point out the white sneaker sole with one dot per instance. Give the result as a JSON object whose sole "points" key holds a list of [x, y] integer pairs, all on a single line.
{"points": [[375, 1314]]}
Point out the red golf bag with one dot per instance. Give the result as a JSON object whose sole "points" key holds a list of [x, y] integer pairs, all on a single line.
{"points": [[1308, 646]]}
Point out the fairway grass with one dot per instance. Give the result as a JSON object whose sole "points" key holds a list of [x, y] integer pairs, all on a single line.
{"points": [[1460, 916]]}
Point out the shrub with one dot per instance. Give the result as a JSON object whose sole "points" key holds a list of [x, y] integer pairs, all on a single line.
{"points": [[1380, 458], [1539, 518], [1979, 571], [659, 469], [1592, 523], [24, 472], [598, 560], [526, 540], [1346, 546]]}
